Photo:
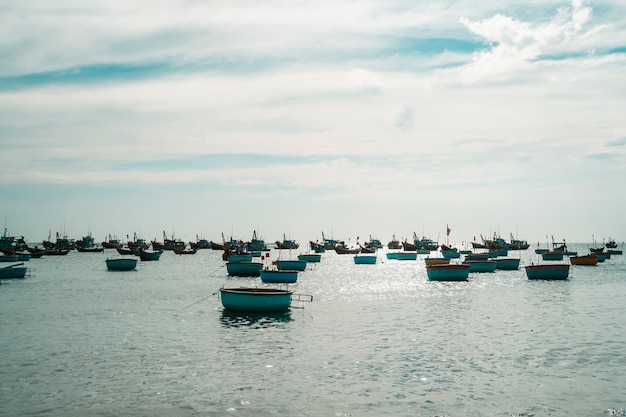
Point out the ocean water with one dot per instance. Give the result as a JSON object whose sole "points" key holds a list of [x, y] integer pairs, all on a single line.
{"points": [[377, 340]]}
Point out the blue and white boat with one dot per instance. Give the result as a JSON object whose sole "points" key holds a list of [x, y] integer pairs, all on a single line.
{"points": [[448, 272], [121, 264], [277, 276], [244, 269], [548, 271], [255, 300], [365, 259]]}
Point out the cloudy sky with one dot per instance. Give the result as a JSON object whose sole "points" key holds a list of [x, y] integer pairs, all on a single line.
{"points": [[355, 118]]}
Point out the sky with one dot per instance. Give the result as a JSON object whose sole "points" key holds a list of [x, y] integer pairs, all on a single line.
{"points": [[351, 118]]}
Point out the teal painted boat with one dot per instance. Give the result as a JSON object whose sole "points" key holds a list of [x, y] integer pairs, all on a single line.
{"points": [[121, 264], [240, 258], [552, 256], [508, 264], [146, 255], [255, 299], [406, 256], [296, 264], [310, 257], [481, 266], [477, 257], [448, 272], [279, 276], [244, 269], [392, 255], [450, 254], [365, 259], [13, 271], [547, 271]]}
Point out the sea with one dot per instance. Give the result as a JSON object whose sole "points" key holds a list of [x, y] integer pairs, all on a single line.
{"points": [[376, 340]]}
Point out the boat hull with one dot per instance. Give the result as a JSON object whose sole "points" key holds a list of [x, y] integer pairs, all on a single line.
{"points": [[365, 260], [508, 264], [13, 272], [278, 276], [549, 272], [584, 260], [150, 256], [447, 272], [406, 256], [255, 300], [244, 269], [121, 264], [310, 257], [297, 265], [481, 266], [436, 261]]}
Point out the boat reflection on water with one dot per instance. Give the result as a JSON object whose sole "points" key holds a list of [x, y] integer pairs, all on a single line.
{"points": [[230, 318]]}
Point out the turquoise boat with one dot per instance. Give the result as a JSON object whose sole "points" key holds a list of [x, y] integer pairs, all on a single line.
{"points": [[450, 254], [310, 257], [255, 300], [448, 272], [481, 266], [406, 256], [13, 271], [296, 264], [507, 263], [121, 264], [477, 257], [240, 258], [552, 256], [146, 255], [548, 271], [392, 255], [244, 269], [365, 259], [279, 276]]}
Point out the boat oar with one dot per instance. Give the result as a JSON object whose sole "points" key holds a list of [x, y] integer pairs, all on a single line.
{"points": [[199, 301]]}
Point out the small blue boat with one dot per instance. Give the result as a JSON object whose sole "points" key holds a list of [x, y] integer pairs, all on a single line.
{"points": [[240, 258], [508, 264], [447, 272], [365, 259], [481, 266], [310, 257], [13, 271], [279, 276], [121, 264], [477, 257], [548, 271], [297, 265], [145, 255], [255, 299], [552, 256], [450, 254], [406, 256], [392, 255], [244, 269]]}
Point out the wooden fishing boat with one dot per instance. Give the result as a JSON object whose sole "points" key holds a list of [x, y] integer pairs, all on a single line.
{"points": [[343, 250], [448, 272], [286, 244], [185, 251], [547, 271], [90, 249], [584, 260], [121, 264], [365, 259], [56, 252], [244, 269], [507, 263], [255, 300], [394, 243], [279, 276], [13, 271]]}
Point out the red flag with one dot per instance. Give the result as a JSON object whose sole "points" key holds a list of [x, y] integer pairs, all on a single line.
{"points": [[448, 230]]}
